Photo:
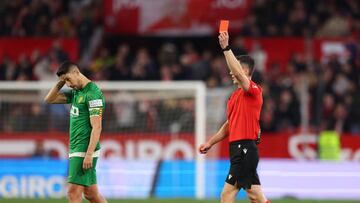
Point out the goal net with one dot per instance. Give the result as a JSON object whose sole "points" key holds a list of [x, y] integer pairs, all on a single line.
{"points": [[144, 122]]}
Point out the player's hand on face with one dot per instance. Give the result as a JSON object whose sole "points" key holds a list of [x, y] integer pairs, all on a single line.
{"points": [[87, 163], [204, 148], [62, 79], [224, 39]]}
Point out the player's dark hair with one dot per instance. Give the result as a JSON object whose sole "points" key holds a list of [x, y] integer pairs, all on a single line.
{"points": [[246, 59], [65, 67]]}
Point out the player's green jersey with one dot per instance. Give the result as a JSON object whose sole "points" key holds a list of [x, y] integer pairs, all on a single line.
{"points": [[85, 103]]}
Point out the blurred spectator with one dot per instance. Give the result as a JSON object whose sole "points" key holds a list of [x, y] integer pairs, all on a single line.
{"points": [[24, 69], [169, 113], [260, 57], [200, 70], [267, 121], [168, 54], [287, 113], [143, 67], [328, 106], [40, 152], [102, 62], [36, 119], [219, 73], [238, 46], [16, 121], [43, 70], [8, 69], [336, 26], [119, 70], [340, 120]]}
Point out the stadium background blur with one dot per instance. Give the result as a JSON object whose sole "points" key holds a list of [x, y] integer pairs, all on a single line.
{"points": [[307, 61]]}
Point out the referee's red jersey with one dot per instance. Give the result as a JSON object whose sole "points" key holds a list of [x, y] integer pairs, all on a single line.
{"points": [[243, 113]]}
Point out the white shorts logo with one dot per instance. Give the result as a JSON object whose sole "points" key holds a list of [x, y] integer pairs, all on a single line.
{"points": [[245, 150], [95, 103]]}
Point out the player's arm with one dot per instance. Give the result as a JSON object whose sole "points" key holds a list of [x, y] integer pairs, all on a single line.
{"points": [[220, 135], [233, 64], [96, 124], [54, 96]]}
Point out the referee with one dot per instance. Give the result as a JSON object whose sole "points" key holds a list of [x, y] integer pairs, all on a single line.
{"points": [[242, 128]]}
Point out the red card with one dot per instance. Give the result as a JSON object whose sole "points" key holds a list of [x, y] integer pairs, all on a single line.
{"points": [[224, 26]]}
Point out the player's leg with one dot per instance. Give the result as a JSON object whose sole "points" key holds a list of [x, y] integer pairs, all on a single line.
{"points": [[75, 193], [256, 195], [79, 178], [92, 194], [229, 192], [76, 188]]}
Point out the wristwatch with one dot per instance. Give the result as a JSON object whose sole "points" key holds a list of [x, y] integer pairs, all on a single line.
{"points": [[227, 48]]}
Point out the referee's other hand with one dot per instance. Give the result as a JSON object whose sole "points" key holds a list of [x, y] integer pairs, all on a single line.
{"points": [[204, 148]]}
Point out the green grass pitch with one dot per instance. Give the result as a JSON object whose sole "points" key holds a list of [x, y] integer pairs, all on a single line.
{"points": [[170, 201]]}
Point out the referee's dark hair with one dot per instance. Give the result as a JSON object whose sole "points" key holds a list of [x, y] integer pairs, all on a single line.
{"points": [[65, 67], [246, 59]]}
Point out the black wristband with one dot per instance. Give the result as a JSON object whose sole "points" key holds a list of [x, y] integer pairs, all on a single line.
{"points": [[227, 48]]}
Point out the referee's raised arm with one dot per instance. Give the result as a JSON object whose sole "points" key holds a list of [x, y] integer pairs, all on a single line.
{"points": [[234, 65]]}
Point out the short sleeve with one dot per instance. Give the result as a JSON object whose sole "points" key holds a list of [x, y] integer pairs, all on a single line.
{"points": [[254, 89], [69, 96], [95, 102]]}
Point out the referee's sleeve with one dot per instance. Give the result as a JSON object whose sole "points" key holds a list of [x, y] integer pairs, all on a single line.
{"points": [[254, 89]]}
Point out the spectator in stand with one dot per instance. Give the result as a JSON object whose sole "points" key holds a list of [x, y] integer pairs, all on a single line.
{"points": [[119, 70], [43, 70], [200, 70], [287, 113], [260, 57], [36, 119], [188, 59], [40, 152], [218, 73], [143, 67], [7, 69], [24, 69], [340, 120]]}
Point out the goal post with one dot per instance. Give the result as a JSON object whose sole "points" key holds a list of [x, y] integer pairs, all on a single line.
{"points": [[188, 92], [200, 116]]}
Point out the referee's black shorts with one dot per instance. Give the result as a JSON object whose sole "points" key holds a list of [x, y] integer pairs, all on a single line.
{"points": [[244, 158]]}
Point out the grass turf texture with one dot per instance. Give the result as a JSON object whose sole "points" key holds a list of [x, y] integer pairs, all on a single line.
{"points": [[171, 201]]}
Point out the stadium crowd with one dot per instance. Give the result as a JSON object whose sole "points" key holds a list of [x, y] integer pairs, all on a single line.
{"points": [[333, 84], [333, 18], [56, 18]]}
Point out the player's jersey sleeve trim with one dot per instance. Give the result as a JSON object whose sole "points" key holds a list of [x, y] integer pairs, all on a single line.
{"points": [[82, 154], [95, 112]]}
